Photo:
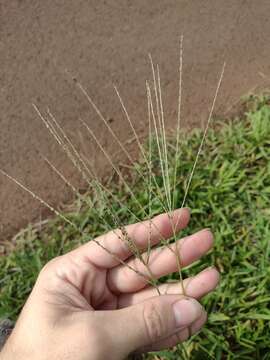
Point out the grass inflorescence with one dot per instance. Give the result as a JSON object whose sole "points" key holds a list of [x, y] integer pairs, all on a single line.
{"points": [[229, 193]]}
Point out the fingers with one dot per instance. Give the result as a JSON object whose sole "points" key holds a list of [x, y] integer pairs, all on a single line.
{"points": [[150, 322], [179, 336], [195, 287], [116, 244], [162, 261]]}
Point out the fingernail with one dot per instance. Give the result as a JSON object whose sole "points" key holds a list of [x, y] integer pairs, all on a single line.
{"points": [[186, 311], [207, 229], [209, 268]]}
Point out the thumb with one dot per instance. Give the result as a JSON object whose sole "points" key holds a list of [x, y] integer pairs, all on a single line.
{"points": [[145, 323]]}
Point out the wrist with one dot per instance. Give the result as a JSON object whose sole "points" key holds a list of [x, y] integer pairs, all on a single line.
{"points": [[11, 350]]}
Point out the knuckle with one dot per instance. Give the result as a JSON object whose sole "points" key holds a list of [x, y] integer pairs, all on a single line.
{"points": [[50, 265], [153, 320], [46, 278], [48, 273]]}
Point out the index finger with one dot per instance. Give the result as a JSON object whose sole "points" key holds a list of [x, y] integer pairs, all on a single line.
{"points": [[141, 234]]}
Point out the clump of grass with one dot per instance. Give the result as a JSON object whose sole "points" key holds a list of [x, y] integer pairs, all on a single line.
{"points": [[230, 193]]}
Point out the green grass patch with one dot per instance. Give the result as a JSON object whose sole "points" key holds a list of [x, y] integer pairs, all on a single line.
{"points": [[230, 193]]}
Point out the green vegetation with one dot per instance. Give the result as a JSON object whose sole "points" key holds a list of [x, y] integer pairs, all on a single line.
{"points": [[230, 193]]}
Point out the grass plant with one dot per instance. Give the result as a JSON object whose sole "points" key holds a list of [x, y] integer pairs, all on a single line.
{"points": [[229, 192]]}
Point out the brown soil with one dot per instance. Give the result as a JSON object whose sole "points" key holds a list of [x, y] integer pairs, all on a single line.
{"points": [[106, 42]]}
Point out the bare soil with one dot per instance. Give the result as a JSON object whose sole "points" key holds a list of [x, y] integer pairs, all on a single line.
{"points": [[103, 43]]}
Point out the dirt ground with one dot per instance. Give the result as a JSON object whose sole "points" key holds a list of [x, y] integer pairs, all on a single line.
{"points": [[102, 43]]}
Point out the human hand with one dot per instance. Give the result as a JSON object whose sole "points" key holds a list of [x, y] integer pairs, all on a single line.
{"points": [[87, 305]]}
